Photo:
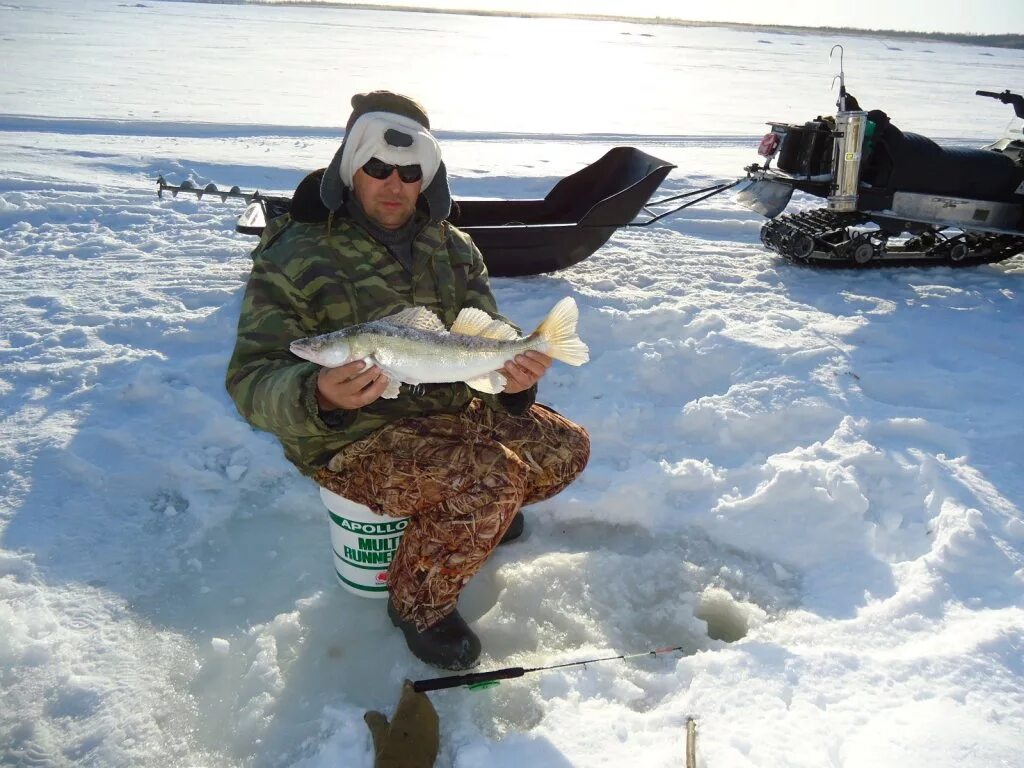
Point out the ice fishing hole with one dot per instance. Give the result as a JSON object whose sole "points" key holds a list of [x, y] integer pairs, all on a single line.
{"points": [[727, 618]]}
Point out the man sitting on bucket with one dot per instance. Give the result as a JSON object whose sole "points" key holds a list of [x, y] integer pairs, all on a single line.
{"points": [[364, 239]]}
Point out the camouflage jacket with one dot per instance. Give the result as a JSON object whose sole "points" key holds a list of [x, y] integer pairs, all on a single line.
{"points": [[312, 277]]}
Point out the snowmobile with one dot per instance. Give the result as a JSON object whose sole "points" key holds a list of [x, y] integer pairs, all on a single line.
{"points": [[893, 198]]}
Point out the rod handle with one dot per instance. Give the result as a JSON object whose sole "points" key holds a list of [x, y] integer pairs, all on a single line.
{"points": [[454, 681]]}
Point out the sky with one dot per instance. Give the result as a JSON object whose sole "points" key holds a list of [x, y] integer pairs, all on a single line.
{"points": [[979, 17]]}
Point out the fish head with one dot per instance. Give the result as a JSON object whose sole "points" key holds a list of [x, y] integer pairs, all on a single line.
{"points": [[329, 350]]}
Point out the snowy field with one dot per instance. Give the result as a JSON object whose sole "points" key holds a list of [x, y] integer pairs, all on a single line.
{"points": [[810, 479]]}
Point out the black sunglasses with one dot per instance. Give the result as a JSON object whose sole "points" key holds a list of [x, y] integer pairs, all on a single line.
{"points": [[378, 169]]}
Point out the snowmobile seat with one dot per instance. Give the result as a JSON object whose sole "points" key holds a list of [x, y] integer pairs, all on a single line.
{"points": [[908, 162]]}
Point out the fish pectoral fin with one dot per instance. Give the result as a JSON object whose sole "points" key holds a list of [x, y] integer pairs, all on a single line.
{"points": [[492, 383], [475, 322], [420, 318], [391, 392]]}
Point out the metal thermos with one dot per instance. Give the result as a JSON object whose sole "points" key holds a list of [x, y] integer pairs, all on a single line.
{"points": [[851, 127]]}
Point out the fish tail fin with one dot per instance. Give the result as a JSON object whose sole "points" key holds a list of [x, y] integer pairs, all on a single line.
{"points": [[558, 331]]}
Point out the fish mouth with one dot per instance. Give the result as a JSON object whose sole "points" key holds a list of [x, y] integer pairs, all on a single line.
{"points": [[298, 349]]}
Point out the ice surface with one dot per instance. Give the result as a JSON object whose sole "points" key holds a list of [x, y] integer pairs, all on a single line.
{"points": [[810, 480]]}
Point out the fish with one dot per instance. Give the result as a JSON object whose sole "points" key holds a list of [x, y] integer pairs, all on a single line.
{"points": [[414, 347]]}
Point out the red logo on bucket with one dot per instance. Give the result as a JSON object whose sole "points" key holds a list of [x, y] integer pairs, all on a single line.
{"points": [[382, 577]]}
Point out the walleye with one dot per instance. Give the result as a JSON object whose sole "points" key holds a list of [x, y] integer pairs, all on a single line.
{"points": [[414, 347]]}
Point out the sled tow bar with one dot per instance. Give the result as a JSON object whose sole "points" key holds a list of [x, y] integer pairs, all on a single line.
{"points": [[704, 193]]}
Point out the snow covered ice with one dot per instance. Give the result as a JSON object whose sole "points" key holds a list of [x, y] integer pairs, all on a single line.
{"points": [[811, 479]]}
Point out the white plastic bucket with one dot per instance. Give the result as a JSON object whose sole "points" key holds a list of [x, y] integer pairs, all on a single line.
{"points": [[364, 544]]}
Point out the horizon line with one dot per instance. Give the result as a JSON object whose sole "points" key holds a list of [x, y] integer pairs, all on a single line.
{"points": [[994, 39]]}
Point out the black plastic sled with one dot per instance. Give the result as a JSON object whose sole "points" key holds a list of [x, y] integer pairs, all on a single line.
{"points": [[578, 215], [522, 237]]}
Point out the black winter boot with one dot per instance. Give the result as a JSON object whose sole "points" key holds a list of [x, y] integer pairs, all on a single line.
{"points": [[514, 530], [449, 644]]}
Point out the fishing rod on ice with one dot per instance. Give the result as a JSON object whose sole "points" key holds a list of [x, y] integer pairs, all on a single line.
{"points": [[474, 680]]}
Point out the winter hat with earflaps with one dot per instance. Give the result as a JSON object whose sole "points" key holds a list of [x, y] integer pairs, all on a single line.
{"points": [[392, 138], [395, 129]]}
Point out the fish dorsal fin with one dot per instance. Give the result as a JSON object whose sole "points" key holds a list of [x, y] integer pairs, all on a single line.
{"points": [[500, 331], [471, 321], [420, 318], [476, 322]]}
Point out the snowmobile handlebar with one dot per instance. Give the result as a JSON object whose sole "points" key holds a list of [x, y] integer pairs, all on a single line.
{"points": [[1007, 98]]}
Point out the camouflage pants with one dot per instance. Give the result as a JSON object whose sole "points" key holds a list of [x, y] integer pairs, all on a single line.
{"points": [[462, 478]]}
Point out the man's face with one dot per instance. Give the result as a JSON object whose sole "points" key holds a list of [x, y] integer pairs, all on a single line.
{"points": [[389, 202]]}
